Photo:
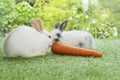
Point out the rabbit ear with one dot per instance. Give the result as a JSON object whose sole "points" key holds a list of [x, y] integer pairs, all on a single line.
{"points": [[33, 24], [37, 25], [63, 25], [57, 25]]}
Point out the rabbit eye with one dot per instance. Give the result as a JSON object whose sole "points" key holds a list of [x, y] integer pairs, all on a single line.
{"points": [[58, 35], [49, 36]]}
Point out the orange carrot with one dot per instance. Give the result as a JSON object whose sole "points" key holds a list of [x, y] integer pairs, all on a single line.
{"points": [[63, 49]]}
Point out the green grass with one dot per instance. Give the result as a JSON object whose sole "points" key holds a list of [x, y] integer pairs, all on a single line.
{"points": [[57, 67]]}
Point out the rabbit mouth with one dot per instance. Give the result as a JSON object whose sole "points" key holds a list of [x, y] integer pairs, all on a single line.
{"points": [[56, 40]]}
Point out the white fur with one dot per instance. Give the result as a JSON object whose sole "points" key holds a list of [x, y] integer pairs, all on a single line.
{"points": [[25, 41], [74, 38]]}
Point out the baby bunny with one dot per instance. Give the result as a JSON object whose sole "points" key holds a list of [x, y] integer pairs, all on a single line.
{"points": [[26, 41], [74, 38]]}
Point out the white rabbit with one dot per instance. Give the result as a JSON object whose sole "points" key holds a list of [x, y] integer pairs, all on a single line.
{"points": [[74, 38], [26, 41]]}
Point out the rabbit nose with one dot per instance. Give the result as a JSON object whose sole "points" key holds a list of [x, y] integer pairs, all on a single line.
{"points": [[56, 40]]}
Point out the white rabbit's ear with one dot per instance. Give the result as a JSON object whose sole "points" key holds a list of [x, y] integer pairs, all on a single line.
{"points": [[33, 24], [63, 25], [37, 25], [57, 25]]}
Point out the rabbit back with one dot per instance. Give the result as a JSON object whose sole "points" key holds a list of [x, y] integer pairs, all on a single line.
{"points": [[78, 39]]}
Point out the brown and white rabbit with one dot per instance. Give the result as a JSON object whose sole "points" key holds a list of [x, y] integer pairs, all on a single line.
{"points": [[26, 41], [74, 38]]}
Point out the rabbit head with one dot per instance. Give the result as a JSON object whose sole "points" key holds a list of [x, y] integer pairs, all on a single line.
{"points": [[36, 24], [57, 32]]}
